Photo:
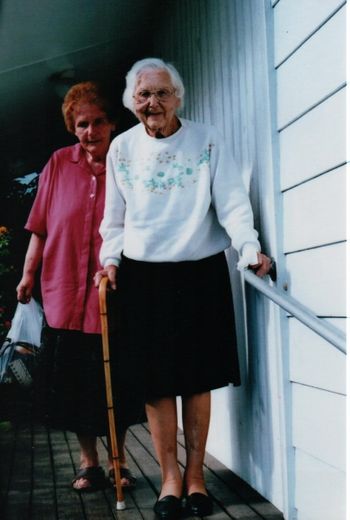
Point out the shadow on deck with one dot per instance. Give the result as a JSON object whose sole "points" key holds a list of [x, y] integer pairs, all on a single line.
{"points": [[37, 465]]}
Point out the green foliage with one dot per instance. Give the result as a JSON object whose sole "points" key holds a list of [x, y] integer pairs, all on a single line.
{"points": [[4, 250], [16, 198], [5, 269]]}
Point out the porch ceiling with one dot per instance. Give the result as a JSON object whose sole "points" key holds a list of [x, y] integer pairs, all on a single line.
{"points": [[49, 45]]}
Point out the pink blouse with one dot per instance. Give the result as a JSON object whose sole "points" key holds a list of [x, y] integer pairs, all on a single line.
{"points": [[67, 211]]}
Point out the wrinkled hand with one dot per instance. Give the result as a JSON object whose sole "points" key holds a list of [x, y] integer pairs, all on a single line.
{"points": [[25, 288], [263, 266], [111, 272]]}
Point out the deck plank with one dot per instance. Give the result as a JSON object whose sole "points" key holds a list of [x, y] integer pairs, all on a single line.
{"points": [[43, 492], [138, 502], [227, 502], [220, 507], [19, 494], [252, 498], [146, 470], [38, 464], [69, 503], [95, 505], [7, 452]]}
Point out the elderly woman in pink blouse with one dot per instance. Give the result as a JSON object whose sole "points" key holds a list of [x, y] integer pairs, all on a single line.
{"points": [[64, 223]]}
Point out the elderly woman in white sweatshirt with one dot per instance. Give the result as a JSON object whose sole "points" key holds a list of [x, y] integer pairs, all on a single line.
{"points": [[174, 202]]}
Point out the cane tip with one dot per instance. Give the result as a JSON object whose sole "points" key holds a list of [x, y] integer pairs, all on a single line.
{"points": [[120, 505]]}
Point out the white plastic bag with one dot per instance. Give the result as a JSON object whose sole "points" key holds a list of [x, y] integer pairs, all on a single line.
{"points": [[22, 345]]}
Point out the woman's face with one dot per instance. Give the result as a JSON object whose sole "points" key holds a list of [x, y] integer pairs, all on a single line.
{"points": [[158, 115], [93, 129]]}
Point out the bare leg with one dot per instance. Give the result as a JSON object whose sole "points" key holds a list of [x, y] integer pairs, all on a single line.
{"points": [[196, 417], [162, 419], [88, 457], [121, 450], [122, 456]]}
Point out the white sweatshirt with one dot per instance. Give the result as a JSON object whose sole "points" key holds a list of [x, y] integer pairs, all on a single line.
{"points": [[174, 199]]}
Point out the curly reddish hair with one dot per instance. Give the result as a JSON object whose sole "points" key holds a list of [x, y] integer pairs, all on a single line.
{"points": [[85, 92]]}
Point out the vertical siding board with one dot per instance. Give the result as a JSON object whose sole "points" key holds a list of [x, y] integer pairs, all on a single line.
{"points": [[207, 45], [190, 32], [227, 43], [210, 66], [179, 49], [183, 57], [196, 65], [200, 79], [237, 115], [248, 66], [168, 42], [219, 53], [190, 58], [242, 136], [222, 70], [197, 82], [253, 119], [205, 100]]}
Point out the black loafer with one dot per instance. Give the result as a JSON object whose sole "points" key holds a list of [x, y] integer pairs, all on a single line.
{"points": [[168, 508], [198, 504]]}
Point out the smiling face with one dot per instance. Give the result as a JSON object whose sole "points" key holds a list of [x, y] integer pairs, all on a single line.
{"points": [[158, 115], [93, 129]]}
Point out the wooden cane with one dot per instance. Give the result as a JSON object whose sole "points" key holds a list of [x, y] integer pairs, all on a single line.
{"points": [[120, 503]]}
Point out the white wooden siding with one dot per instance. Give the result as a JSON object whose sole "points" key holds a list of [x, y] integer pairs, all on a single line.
{"points": [[320, 489], [317, 279], [319, 424], [307, 17], [314, 72], [310, 55], [311, 217], [315, 143], [314, 361]]}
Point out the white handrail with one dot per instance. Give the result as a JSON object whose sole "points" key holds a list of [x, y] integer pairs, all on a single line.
{"points": [[321, 327]]}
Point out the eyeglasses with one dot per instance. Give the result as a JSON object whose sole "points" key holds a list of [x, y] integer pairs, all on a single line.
{"points": [[161, 95]]}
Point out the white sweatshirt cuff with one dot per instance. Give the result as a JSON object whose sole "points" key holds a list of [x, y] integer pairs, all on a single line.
{"points": [[111, 261], [248, 257]]}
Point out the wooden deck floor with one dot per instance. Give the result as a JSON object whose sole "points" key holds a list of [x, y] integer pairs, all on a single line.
{"points": [[36, 466]]}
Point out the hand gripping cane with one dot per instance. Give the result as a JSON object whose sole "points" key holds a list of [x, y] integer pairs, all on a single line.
{"points": [[120, 503]]}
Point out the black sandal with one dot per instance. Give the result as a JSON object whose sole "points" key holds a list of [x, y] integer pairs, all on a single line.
{"points": [[124, 473], [94, 475]]}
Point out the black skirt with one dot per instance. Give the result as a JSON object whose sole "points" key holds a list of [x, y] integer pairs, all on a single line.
{"points": [[176, 327], [76, 386]]}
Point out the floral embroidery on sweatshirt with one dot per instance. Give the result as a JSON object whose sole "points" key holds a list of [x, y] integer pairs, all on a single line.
{"points": [[162, 172]]}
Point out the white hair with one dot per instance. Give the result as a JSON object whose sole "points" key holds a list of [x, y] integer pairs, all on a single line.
{"points": [[155, 64]]}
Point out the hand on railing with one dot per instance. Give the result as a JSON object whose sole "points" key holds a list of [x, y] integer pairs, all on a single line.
{"points": [[273, 270], [265, 266]]}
